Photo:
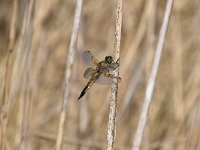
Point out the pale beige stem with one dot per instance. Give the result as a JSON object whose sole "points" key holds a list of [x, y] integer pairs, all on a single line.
{"points": [[8, 72], [150, 86], [69, 62], [113, 101]]}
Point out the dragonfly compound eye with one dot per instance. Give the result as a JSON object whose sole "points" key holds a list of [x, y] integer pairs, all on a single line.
{"points": [[109, 59]]}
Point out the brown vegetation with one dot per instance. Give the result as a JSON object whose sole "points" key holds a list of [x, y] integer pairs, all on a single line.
{"points": [[34, 41]]}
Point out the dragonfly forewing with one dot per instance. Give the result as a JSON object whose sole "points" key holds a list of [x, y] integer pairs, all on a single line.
{"points": [[89, 59]]}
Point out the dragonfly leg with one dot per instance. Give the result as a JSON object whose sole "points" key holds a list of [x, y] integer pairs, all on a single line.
{"points": [[117, 61]]}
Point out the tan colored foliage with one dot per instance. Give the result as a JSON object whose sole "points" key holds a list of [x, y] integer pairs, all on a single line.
{"points": [[37, 67]]}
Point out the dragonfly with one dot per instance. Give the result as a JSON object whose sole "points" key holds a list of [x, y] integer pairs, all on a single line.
{"points": [[100, 72]]}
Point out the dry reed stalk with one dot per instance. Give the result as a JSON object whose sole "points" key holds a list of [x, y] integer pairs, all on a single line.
{"points": [[138, 39], [48, 12], [192, 125], [87, 143], [149, 91], [177, 72], [151, 22], [72, 140], [129, 57], [114, 90], [22, 66], [139, 36], [69, 62], [8, 72], [133, 85]]}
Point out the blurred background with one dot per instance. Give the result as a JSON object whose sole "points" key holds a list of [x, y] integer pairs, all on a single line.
{"points": [[34, 41]]}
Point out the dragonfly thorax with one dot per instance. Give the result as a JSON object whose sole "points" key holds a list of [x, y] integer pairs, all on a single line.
{"points": [[103, 66]]}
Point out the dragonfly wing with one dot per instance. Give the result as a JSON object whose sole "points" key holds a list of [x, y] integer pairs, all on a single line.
{"points": [[106, 80], [89, 72], [89, 59]]}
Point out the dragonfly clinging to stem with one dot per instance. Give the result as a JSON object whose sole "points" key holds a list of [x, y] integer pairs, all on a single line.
{"points": [[98, 72]]}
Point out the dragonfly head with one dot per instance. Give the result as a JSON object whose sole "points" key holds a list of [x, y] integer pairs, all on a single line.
{"points": [[109, 59]]}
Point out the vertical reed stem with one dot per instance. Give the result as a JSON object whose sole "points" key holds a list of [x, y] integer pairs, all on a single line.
{"points": [[114, 90], [8, 72], [150, 86], [69, 62]]}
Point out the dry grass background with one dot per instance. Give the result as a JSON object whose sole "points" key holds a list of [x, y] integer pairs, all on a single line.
{"points": [[35, 79]]}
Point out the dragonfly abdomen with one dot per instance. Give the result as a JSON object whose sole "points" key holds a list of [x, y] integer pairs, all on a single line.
{"points": [[89, 84]]}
